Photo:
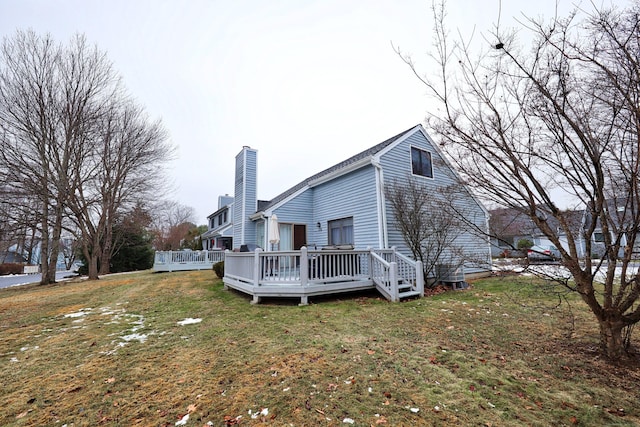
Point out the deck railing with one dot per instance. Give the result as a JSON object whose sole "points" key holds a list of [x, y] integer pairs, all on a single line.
{"points": [[303, 267], [186, 260], [296, 272], [305, 272], [393, 270]]}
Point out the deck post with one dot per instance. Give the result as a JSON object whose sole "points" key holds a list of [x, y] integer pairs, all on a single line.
{"points": [[256, 267], [393, 281], [420, 278], [304, 267], [225, 286]]}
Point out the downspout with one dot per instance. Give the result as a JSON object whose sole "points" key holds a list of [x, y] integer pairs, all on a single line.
{"points": [[383, 238], [486, 224]]}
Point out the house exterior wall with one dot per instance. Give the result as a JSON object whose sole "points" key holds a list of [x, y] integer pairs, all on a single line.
{"points": [[298, 210], [357, 193], [245, 197], [350, 195], [396, 164]]}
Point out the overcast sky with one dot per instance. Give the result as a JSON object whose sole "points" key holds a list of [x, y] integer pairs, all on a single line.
{"points": [[306, 83]]}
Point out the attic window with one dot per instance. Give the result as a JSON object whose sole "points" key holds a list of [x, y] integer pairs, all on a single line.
{"points": [[421, 162]]}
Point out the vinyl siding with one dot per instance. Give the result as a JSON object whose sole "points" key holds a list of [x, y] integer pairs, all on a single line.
{"points": [[351, 195], [298, 210], [245, 200], [396, 164]]}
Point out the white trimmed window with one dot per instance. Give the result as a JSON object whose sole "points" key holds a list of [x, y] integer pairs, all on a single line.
{"points": [[341, 231], [421, 163]]}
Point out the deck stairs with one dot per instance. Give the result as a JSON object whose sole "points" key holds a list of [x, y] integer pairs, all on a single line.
{"points": [[405, 292]]}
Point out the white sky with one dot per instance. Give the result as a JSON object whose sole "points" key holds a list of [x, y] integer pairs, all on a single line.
{"points": [[306, 83]]}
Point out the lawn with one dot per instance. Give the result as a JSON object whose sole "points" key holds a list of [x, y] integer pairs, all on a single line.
{"points": [[176, 349]]}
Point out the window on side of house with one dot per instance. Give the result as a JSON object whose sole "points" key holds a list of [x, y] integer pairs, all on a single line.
{"points": [[421, 163], [598, 237], [341, 231]]}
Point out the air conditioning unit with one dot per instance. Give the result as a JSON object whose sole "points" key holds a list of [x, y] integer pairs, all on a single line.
{"points": [[451, 275]]}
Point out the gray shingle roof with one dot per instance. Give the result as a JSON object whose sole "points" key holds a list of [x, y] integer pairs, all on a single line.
{"points": [[353, 159]]}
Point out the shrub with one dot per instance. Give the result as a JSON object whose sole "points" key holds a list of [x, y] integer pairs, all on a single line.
{"points": [[11, 268], [524, 244], [218, 268]]}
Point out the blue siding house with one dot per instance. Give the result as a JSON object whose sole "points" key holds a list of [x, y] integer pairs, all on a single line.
{"points": [[219, 234], [345, 206]]}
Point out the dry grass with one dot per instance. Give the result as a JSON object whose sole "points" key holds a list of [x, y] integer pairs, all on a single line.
{"points": [[112, 352]]}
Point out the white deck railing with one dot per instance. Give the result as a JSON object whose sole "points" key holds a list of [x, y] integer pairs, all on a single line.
{"points": [[392, 271], [296, 267], [186, 260], [311, 272]]}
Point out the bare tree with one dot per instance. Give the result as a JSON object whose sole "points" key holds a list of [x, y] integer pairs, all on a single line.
{"points": [[171, 224], [39, 119], [528, 128], [124, 168], [428, 225], [73, 142]]}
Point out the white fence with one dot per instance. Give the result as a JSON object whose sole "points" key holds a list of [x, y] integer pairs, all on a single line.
{"points": [[186, 260], [31, 269]]}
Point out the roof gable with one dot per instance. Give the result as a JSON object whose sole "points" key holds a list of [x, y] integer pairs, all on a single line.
{"points": [[345, 165]]}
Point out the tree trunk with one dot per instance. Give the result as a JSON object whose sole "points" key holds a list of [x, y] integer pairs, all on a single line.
{"points": [[105, 259], [44, 248], [91, 258], [611, 340], [55, 242], [93, 267]]}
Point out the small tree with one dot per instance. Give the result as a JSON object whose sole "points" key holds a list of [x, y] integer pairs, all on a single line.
{"points": [[171, 224], [192, 239], [428, 224]]}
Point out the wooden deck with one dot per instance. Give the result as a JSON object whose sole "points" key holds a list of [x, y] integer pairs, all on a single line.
{"points": [[305, 273]]}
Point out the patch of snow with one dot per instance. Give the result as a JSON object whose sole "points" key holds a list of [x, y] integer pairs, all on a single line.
{"points": [[189, 321], [348, 421], [82, 312], [135, 337], [183, 421], [263, 412], [13, 360]]}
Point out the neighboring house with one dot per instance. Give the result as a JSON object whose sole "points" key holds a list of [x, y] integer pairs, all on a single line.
{"points": [[12, 257], [220, 227], [346, 204], [508, 226], [622, 223]]}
